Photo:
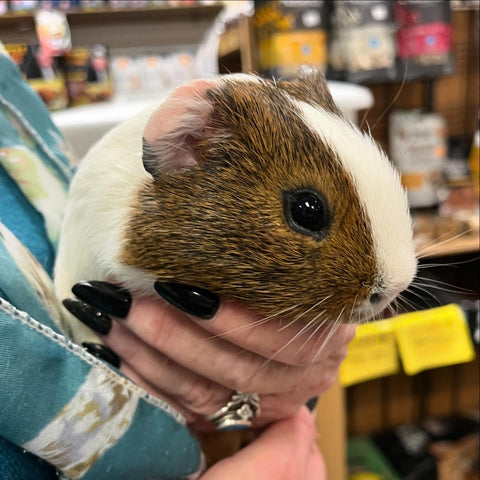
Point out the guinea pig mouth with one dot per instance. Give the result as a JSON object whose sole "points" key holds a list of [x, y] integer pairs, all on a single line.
{"points": [[376, 307]]}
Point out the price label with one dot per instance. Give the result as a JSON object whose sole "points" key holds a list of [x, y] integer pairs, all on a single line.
{"points": [[433, 338], [371, 354]]}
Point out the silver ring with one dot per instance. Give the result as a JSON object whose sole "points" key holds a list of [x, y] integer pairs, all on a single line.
{"points": [[238, 413]]}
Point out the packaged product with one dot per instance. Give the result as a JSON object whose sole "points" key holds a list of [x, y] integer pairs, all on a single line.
{"points": [[433, 448], [87, 76], [42, 72], [418, 147], [424, 38], [292, 35], [363, 43]]}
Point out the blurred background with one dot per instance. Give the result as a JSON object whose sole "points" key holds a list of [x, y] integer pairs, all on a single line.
{"points": [[407, 71]]}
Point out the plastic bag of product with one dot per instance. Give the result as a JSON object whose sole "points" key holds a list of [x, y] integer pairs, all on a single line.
{"points": [[126, 76], [153, 73], [364, 40], [424, 38], [292, 35], [418, 148], [86, 75]]}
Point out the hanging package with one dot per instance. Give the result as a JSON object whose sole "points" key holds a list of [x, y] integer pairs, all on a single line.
{"points": [[292, 35], [363, 40], [424, 38]]}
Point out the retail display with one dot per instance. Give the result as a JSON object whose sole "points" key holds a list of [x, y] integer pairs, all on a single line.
{"points": [[418, 148], [151, 74], [431, 449], [291, 36], [362, 45], [401, 49], [86, 75], [424, 38]]}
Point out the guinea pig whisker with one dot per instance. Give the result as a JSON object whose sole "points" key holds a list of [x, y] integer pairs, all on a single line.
{"points": [[445, 265], [425, 291], [392, 311], [354, 304], [446, 236], [442, 288], [303, 330], [389, 106], [317, 340], [335, 326], [303, 313], [318, 326], [444, 284], [411, 304], [254, 324], [424, 250], [405, 305], [364, 121]]}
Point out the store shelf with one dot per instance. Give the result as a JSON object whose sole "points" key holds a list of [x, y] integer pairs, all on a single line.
{"points": [[122, 28], [468, 243]]}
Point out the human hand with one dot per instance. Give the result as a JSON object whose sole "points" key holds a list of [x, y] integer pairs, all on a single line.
{"points": [[286, 450], [196, 358]]}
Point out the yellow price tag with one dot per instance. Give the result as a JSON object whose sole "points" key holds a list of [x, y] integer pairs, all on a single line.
{"points": [[371, 354], [433, 338]]}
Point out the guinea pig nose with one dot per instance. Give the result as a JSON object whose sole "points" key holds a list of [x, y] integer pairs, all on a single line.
{"points": [[375, 298]]}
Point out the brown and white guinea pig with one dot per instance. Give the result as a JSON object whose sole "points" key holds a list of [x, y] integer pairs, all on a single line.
{"points": [[257, 190]]}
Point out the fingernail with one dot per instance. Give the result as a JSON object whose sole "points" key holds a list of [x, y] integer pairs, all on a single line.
{"points": [[192, 300], [107, 297], [312, 403], [103, 353], [88, 315]]}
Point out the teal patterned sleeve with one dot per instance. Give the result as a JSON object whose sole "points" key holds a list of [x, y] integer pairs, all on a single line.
{"points": [[82, 417]]}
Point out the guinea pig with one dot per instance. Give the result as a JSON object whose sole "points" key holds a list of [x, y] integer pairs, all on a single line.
{"points": [[258, 190]]}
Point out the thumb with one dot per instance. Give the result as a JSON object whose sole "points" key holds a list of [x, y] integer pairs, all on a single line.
{"points": [[284, 451]]}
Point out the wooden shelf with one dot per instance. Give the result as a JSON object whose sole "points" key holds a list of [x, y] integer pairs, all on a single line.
{"points": [[122, 28], [455, 246]]}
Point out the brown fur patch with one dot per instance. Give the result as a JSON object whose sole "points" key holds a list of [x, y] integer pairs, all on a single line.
{"points": [[222, 226], [311, 88]]}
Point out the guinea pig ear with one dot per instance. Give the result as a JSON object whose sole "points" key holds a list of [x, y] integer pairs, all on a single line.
{"points": [[173, 129], [310, 87]]}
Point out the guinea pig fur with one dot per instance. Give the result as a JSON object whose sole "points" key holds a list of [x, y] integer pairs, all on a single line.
{"points": [[257, 190]]}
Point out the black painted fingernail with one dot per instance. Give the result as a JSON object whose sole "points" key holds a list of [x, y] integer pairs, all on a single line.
{"points": [[192, 300], [107, 297], [103, 353], [312, 403], [88, 315]]}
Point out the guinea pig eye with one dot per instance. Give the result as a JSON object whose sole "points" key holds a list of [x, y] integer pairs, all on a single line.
{"points": [[307, 212]]}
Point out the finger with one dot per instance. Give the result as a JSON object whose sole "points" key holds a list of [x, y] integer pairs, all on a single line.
{"points": [[282, 452], [198, 395], [316, 468], [286, 405], [194, 393], [191, 350], [293, 343], [133, 375], [172, 333], [290, 342]]}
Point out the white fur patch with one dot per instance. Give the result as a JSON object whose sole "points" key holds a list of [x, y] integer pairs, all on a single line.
{"points": [[380, 192], [100, 197]]}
